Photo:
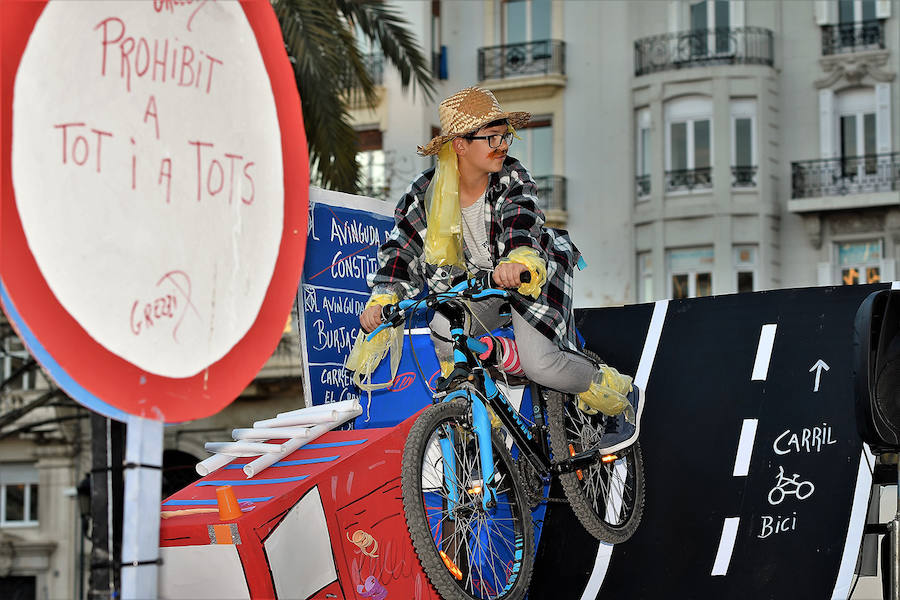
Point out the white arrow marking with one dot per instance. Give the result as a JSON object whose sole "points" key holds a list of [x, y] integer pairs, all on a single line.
{"points": [[820, 364]]}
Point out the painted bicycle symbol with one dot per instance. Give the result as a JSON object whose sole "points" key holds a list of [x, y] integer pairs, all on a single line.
{"points": [[785, 486]]}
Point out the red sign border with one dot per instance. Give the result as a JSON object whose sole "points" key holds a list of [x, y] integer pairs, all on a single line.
{"points": [[102, 380]]}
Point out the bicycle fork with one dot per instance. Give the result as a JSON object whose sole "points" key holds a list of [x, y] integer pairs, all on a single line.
{"points": [[481, 421]]}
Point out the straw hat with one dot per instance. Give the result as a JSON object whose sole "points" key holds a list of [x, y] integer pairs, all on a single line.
{"points": [[469, 110]]}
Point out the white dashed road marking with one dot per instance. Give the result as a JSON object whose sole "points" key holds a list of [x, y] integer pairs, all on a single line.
{"points": [[726, 545], [764, 352]]}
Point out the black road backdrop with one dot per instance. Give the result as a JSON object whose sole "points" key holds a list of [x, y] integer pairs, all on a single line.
{"points": [[699, 394]]}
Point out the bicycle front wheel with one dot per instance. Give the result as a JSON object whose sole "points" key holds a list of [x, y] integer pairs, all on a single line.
{"points": [[468, 551], [607, 497]]}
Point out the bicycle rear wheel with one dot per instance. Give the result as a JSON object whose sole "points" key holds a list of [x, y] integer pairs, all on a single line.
{"points": [[467, 551], [607, 497]]}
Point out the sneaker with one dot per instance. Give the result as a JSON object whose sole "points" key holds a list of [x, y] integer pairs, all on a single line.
{"points": [[619, 432]]}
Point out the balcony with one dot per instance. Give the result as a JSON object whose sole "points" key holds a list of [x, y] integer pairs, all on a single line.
{"points": [[703, 47], [852, 37], [552, 197], [374, 65], [869, 174], [642, 186], [540, 65], [688, 179], [743, 177]]}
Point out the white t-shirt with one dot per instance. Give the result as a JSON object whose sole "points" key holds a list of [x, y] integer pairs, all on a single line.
{"points": [[475, 234]]}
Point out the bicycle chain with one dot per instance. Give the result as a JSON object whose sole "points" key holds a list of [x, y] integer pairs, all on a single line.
{"points": [[534, 486]]}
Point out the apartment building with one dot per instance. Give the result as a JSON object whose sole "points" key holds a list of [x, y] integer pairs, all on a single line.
{"points": [[690, 147]]}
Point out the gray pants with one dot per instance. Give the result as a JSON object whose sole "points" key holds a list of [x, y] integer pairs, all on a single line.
{"points": [[542, 360]]}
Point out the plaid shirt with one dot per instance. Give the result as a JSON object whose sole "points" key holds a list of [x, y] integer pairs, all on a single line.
{"points": [[514, 221]]}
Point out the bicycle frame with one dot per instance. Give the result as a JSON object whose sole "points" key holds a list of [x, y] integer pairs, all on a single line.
{"points": [[466, 362], [531, 440]]}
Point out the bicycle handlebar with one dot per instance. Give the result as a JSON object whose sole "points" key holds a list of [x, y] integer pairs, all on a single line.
{"points": [[478, 287]]}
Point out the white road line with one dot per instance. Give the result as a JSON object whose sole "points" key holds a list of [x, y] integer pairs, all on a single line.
{"points": [[726, 545], [764, 352], [601, 564], [648, 355], [745, 448], [855, 529]]}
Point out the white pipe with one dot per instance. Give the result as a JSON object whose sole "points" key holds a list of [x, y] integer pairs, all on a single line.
{"points": [[269, 433], [263, 462], [299, 419], [241, 448], [214, 462], [343, 405]]}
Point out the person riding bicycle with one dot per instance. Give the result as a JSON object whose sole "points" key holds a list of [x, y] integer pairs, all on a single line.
{"points": [[477, 210]]}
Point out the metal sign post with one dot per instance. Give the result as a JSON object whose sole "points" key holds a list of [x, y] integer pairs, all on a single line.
{"points": [[143, 480]]}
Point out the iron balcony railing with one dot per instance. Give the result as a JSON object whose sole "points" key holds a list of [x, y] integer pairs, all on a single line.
{"points": [[375, 67], [872, 173], [642, 185], [544, 57], [853, 37], [688, 179], [551, 192], [702, 47], [744, 176]]}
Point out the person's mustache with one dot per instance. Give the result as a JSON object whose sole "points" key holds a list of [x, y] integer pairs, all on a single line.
{"points": [[498, 154]]}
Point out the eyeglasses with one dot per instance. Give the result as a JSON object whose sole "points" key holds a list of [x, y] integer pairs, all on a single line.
{"points": [[494, 140]]}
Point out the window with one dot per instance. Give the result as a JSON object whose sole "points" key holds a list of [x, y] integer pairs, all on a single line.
{"points": [[710, 27], [535, 151], [854, 11], [372, 165], [859, 262], [645, 277], [743, 143], [18, 494], [857, 133], [745, 268], [526, 21], [690, 272], [535, 148], [689, 144], [642, 160], [12, 358]]}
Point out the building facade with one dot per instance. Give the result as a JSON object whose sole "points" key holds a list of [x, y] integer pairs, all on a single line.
{"points": [[690, 147]]}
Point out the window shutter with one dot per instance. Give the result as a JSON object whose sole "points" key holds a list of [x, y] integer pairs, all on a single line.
{"points": [[826, 124], [883, 9], [883, 118], [737, 13], [826, 12], [674, 16]]}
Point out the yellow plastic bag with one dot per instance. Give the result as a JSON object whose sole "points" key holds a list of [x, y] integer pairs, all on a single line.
{"points": [[536, 266], [443, 237], [366, 355]]}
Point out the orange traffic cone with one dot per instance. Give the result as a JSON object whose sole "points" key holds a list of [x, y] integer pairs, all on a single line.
{"points": [[229, 508]]}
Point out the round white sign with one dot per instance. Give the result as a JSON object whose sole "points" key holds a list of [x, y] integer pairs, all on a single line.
{"points": [[151, 196]]}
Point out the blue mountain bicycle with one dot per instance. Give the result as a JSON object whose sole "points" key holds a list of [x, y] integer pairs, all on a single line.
{"points": [[468, 487]]}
